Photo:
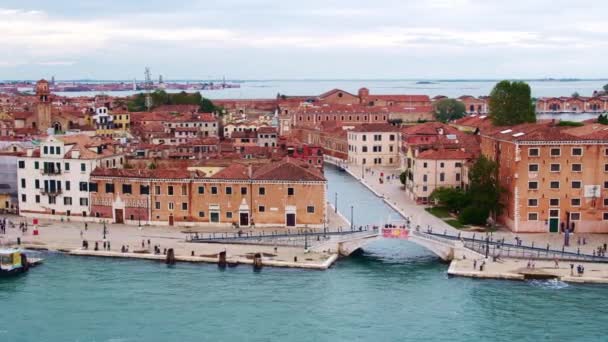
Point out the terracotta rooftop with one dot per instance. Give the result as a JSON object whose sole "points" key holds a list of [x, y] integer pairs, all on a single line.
{"points": [[444, 155], [376, 127]]}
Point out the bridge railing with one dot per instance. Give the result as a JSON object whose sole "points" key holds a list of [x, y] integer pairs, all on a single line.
{"points": [[501, 248]]}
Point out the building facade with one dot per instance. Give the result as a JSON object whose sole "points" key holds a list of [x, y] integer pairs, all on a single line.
{"points": [[53, 179], [374, 145], [280, 194]]}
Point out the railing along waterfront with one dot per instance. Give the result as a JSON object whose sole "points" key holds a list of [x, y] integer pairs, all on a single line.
{"points": [[499, 248], [299, 237]]}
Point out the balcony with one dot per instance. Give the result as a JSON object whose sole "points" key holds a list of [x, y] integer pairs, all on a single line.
{"points": [[50, 172], [50, 192]]}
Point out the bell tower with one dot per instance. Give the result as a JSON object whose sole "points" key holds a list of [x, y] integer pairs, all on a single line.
{"points": [[43, 107]]}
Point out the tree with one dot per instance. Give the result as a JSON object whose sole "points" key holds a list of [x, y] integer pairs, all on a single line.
{"points": [[449, 109], [451, 198], [403, 177], [511, 103], [602, 119], [576, 95], [484, 190], [606, 88]]}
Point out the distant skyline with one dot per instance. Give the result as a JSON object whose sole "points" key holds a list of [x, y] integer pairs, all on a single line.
{"points": [[264, 39]]}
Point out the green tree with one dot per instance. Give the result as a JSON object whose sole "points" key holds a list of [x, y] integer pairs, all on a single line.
{"points": [[403, 177], [484, 190], [576, 95], [451, 198], [606, 88], [511, 103], [449, 109], [602, 119]]}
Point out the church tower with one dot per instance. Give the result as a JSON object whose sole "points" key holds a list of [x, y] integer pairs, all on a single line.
{"points": [[43, 107]]}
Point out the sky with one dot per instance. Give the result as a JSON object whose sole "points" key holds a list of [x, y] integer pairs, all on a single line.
{"points": [[313, 39]]}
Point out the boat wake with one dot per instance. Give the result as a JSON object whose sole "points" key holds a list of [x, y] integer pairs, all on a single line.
{"points": [[551, 284]]}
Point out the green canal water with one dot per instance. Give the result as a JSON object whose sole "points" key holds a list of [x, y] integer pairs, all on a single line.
{"points": [[393, 291]]}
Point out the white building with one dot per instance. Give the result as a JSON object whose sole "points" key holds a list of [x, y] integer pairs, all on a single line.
{"points": [[267, 136], [53, 179], [103, 119], [374, 145]]}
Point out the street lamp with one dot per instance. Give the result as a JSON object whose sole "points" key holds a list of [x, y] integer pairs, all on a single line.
{"points": [[351, 218], [105, 230], [336, 203]]}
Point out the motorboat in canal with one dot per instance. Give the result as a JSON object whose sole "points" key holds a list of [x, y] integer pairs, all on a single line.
{"points": [[14, 261]]}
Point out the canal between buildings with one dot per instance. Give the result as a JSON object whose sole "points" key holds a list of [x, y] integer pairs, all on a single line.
{"points": [[393, 291]]}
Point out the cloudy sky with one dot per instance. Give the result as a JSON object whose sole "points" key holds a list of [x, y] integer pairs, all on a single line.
{"points": [[270, 39]]}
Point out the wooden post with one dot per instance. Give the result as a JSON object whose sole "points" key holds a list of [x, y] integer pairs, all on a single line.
{"points": [[221, 262], [257, 261], [170, 259]]}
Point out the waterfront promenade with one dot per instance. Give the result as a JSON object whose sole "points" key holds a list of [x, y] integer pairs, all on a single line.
{"points": [[68, 236]]}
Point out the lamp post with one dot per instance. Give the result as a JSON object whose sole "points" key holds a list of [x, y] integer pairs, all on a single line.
{"points": [[336, 203], [105, 230], [351, 218]]}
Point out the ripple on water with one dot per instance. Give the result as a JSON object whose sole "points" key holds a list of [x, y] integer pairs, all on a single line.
{"points": [[550, 284]]}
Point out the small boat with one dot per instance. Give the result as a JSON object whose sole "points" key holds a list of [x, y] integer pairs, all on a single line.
{"points": [[14, 261]]}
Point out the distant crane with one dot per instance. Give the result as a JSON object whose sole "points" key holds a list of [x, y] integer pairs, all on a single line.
{"points": [[148, 85]]}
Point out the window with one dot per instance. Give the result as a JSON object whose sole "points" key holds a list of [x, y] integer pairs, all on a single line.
{"points": [[37, 198], [214, 190], [92, 187], [576, 184], [605, 167], [52, 200], [66, 166], [532, 202], [290, 191], [229, 214], [67, 200], [157, 189], [37, 184], [424, 165], [201, 214], [364, 149], [577, 151], [83, 167], [575, 216], [554, 184], [532, 167], [442, 177], [83, 186], [126, 188], [441, 165], [84, 201], [458, 177], [171, 206], [605, 202], [554, 202], [184, 190], [36, 165], [228, 190], [533, 152], [310, 209], [144, 189], [262, 191], [67, 185], [555, 152], [170, 190], [533, 185], [605, 185], [577, 167], [424, 178], [45, 150], [243, 190], [157, 205], [555, 167], [532, 216], [23, 183], [261, 209], [109, 188], [184, 206], [22, 164], [605, 216], [201, 189], [575, 202]]}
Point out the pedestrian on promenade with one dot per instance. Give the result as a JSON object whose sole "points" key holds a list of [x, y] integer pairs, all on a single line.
{"points": [[143, 244], [475, 264], [571, 269], [148, 243], [86, 226], [556, 263], [108, 245]]}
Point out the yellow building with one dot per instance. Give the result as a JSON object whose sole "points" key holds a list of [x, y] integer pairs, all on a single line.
{"points": [[122, 121]]}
